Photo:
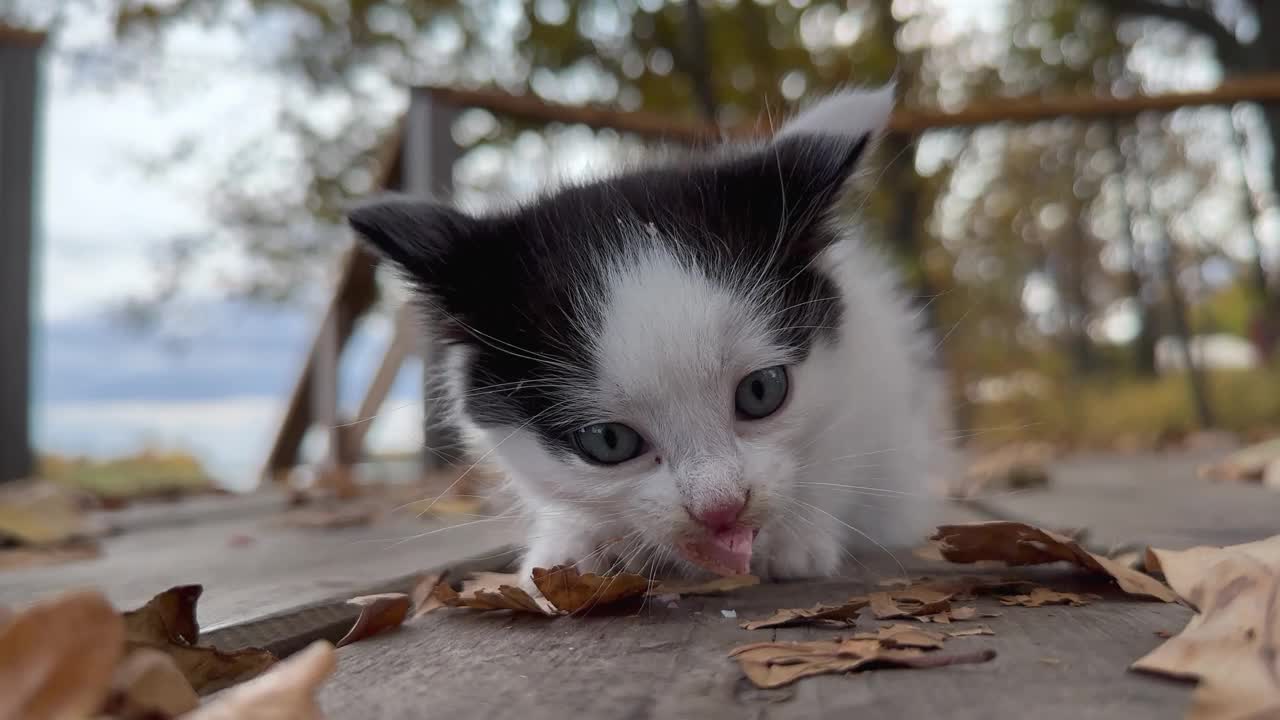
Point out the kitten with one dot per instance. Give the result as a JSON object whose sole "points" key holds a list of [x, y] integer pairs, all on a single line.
{"points": [[694, 366]]}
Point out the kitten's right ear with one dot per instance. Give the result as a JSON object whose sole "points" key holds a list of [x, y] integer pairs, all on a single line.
{"points": [[415, 234]]}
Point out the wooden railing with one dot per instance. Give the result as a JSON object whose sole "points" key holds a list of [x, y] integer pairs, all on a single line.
{"points": [[419, 158]]}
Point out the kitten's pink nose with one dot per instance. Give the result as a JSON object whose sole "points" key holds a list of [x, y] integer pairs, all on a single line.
{"points": [[720, 515]]}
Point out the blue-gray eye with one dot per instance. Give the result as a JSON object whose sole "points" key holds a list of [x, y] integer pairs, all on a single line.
{"points": [[608, 443], [761, 393]]}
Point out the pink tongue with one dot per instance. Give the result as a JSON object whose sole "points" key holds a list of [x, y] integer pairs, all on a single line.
{"points": [[727, 552]]}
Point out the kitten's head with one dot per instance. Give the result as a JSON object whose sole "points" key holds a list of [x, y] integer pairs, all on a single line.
{"points": [[642, 348]]}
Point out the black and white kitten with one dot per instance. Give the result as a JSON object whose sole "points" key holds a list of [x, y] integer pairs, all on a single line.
{"points": [[696, 358]]}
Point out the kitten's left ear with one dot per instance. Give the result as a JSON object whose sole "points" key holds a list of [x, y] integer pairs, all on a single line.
{"points": [[830, 137], [418, 235]]}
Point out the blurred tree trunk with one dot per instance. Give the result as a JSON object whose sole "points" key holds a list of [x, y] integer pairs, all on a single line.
{"points": [[1075, 279], [1144, 343], [1182, 328], [698, 62]]}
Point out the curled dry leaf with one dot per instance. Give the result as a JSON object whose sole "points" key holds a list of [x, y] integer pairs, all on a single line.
{"points": [[904, 636], [846, 613], [425, 596], [1040, 597], [1230, 644], [571, 591], [148, 684], [168, 623], [909, 602], [167, 617], [1021, 544], [503, 597], [286, 692], [378, 614], [773, 665], [57, 657], [714, 586]]}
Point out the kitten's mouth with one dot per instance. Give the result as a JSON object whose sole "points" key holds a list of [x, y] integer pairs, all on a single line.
{"points": [[726, 552]]}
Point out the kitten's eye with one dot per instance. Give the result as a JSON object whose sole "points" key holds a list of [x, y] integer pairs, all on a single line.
{"points": [[761, 393], [608, 443]]}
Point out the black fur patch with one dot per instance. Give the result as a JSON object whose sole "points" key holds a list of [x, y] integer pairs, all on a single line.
{"points": [[505, 285]]}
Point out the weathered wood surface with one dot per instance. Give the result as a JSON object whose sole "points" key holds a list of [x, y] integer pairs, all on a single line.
{"points": [[252, 567], [663, 662], [1145, 499]]}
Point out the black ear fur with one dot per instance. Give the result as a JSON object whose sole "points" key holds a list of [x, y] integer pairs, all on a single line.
{"points": [[816, 168], [415, 234]]}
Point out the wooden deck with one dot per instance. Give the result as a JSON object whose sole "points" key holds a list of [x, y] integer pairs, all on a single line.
{"points": [[281, 587]]}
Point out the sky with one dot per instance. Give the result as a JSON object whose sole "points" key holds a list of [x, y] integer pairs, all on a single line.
{"points": [[104, 389]]}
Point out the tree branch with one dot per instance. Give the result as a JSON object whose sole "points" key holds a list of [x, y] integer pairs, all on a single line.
{"points": [[1201, 20]]}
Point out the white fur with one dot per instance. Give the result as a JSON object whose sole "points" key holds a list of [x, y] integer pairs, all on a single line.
{"points": [[843, 467]]}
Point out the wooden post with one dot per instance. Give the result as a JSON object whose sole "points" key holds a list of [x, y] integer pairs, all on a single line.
{"points": [[429, 155], [19, 85]]}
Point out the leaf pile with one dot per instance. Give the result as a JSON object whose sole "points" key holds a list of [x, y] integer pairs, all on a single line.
{"points": [[1232, 644], [75, 656], [42, 523], [562, 590], [1019, 544]]}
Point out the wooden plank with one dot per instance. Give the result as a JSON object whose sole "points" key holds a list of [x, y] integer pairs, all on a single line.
{"points": [[404, 338], [670, 662], [1145, 499], [1263, 87], [252, 567]]}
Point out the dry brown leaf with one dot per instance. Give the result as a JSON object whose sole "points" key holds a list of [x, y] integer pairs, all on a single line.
{"points": [[909, 602], [57, 657], [503, 597], [425, 596], [168, 623], [1044, 596], [971, 631], [1021, 544], [786, 617], [148, 684], [167, 617], [286, 692], [773, 665], [71, 551], [1245, 465], [714, 586], [901, 635], [378, 614], [571, 591], [42, 514], [1229, 646]]}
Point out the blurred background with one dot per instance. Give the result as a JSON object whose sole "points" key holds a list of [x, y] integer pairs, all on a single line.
{"points": [[174, 173]]}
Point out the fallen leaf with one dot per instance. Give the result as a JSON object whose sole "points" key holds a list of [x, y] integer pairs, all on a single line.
{"points": [[1021, 544], [971, 631], [378, 614], [1230, 644], [167, 617], [1051, 661], [425, 596], [71, 551], [909, 602], [714, 586], [570, 591], [503, 597], [168, 623], [1044, 596], [148, 684], [966, 613], [900, 635], [286, 692], [35, 513], [57, 657], [1244, 465], [787, 617], [772, 665]]}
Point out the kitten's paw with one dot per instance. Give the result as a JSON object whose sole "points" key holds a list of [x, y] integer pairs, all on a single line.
{"points": [[796, 559], [560, 550]]}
